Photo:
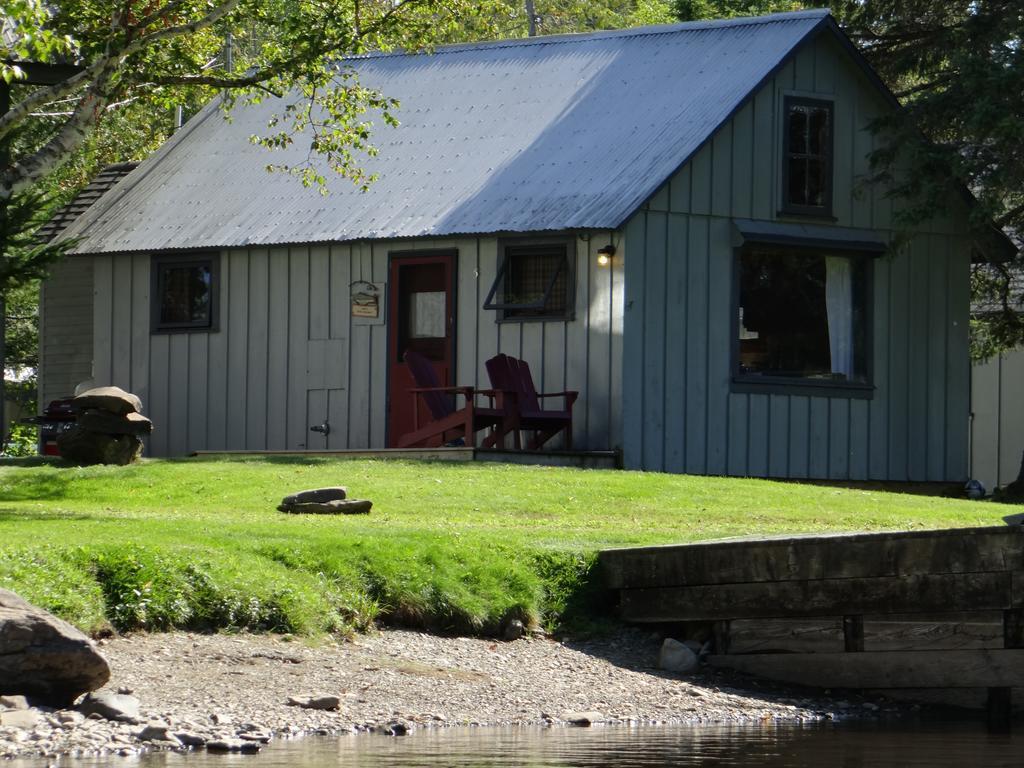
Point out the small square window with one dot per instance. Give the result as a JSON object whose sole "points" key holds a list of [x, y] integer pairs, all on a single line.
{"points": [[807, 156], [183, 293], [802, 315], [534, 281]]}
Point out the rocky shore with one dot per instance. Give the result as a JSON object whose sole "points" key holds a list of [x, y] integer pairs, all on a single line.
{"points": [[236, 692]]}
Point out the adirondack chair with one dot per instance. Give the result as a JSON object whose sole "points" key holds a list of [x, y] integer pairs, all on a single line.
{"points": [[448, 423], [512, 379]]}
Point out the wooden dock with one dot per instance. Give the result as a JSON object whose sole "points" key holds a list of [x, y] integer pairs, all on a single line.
{"points": [[902, 610]]}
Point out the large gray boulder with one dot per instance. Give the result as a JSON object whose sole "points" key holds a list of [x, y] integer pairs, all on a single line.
{"points": [[109, 423], [44, 658], [82, 446], [110, 399]]}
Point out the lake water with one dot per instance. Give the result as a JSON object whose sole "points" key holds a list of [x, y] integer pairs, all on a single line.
{"points": [[962, 744]]}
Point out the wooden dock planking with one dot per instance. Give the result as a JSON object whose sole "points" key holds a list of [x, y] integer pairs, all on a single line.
{"points": [[818, 635], [966, 550], [994, 668], [883, 632], [804, 558], [914, 610], [962, 631], [819, 597]]}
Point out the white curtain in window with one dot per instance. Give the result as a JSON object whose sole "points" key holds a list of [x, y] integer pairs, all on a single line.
{"points": [[839, 306]]}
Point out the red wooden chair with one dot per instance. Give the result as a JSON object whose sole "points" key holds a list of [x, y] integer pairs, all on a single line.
{"points": [[447, 423], [518, 395]]}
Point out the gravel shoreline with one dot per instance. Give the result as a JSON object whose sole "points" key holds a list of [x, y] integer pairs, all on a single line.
{"points": [[237, 687]]}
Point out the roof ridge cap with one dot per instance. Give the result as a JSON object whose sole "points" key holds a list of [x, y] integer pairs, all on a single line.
{"points": [[581, 37]]}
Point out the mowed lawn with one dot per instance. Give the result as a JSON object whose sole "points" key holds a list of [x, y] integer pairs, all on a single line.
{"points": [[454, 547]]}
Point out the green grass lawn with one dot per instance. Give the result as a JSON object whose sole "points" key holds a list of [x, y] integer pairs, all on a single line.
{"points": [[448, 547]]}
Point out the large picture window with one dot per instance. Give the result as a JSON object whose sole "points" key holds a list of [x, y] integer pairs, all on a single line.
{"points": [[802, 317], [183, 293], [534, 282], [807, 156]]}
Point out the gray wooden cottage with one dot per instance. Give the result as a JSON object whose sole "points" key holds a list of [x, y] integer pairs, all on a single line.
{"points": [[669, 220], [997, 409]]}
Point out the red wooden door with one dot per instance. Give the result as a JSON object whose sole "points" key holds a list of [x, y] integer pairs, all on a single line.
{"points": [[421, 316]]}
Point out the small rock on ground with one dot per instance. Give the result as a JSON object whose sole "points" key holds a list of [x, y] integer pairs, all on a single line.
{"points": [[315, 702]]}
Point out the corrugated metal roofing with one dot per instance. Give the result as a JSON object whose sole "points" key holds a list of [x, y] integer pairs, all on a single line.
{"points": [[549, 133]]}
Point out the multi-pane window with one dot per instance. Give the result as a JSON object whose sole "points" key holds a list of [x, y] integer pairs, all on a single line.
{"points": [[807, 173], [183, 293], [534, 281], [803, 314]]}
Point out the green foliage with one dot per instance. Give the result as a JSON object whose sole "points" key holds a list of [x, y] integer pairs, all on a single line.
{"points": [[140, 591], [51, 577], [22, 328], [958, 69], [452, 548], [21, 441], [24, 258], [574, 598], [694, 10], [30, 38]]}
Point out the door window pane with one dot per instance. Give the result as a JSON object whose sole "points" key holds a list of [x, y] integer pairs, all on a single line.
{"points": [[427, 315]]}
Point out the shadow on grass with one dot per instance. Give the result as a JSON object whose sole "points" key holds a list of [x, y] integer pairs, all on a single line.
{"points": [[37, 487], [293, 460], [26, 515], [34, 461], [942, 489]]}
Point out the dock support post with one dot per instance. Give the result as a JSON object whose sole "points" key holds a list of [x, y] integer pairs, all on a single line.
{"points": [[853, 633], [721, 636], [1000, 709], [1013, 628], [1000, 700]]}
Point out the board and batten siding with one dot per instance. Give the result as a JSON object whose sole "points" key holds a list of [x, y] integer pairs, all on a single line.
{"points": [[997, 419], [65, 329], [287, 353], [679, 412]]}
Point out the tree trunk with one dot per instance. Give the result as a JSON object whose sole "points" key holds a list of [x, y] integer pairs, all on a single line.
{"points": [[531, 17], [3, 366], [5, 158]]}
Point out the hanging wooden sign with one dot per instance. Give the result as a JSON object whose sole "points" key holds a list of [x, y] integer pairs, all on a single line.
{"points": [[366, 299]]}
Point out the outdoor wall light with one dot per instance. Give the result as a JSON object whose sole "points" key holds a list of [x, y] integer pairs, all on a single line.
{"points": [[604, 255]]}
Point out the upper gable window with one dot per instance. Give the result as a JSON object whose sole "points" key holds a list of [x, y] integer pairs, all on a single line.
{"points": [[807, 156], [183, 290]]}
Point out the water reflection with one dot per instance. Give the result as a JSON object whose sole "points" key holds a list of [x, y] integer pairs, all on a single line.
{"points": [[831, 745]]}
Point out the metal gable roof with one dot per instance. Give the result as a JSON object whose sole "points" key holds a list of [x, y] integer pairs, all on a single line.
{"points": [[549, 133]]}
